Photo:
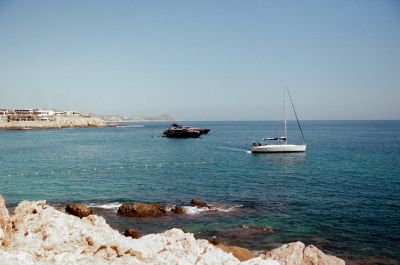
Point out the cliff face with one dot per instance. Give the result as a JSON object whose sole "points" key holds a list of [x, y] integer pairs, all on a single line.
{"points": [[39, 234], [60, 122]]}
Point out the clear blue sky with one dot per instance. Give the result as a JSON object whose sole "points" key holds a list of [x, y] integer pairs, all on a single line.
{"points": [[203, 60]]}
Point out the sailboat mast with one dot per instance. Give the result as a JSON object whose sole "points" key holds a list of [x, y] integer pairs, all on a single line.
{"points": [[295, 114], [284, 108]]}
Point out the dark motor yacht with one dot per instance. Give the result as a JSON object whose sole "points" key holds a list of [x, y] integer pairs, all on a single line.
{"points": [[179, 131]]}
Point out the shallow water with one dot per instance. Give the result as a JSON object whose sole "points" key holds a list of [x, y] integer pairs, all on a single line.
{"points": [[343, 194]]}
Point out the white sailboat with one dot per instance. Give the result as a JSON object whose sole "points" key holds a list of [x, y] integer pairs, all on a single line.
{"points": [[279, 144]]}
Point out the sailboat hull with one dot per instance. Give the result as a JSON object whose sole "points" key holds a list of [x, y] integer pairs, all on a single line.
{"points": [[279, 148]]}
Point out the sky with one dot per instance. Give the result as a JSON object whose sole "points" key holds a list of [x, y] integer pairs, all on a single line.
{"points": [[203, 60]]}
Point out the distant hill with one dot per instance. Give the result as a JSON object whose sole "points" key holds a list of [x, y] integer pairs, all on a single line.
{"points": [[118, 117]]}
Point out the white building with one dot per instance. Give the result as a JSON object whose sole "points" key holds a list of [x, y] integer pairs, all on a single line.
{"points": [[3, 118], [43, 113], [24, 111], [68, 113]]}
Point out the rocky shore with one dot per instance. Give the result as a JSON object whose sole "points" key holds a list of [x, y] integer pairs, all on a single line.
{"points": [[58, 123], [40, 234]]}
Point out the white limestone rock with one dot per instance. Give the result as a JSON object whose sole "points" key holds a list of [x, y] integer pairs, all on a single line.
{"points": [[4, 219], [44, 235], [297, 253]]}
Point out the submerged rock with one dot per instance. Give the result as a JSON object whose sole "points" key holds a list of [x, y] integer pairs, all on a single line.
{"points": [[142, 210], [199, 204], [236, 235], [132, 233], [298, 254], [178, 210], [258, 229], [79, 210]]}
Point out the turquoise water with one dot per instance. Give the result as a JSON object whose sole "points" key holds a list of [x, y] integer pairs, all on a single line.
{"points": [[343, 194]]}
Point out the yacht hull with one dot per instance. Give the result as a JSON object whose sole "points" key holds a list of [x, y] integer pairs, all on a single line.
{"points": [[279, 148], [181, 133]]}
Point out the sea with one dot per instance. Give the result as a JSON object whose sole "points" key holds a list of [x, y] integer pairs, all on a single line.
{"points": [[342, 195]]}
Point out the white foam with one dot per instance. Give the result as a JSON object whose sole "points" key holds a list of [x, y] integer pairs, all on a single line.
{"points": [[219, 208], [194, 209], [107, 206]]}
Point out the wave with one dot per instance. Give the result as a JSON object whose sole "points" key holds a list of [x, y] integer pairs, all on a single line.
{"points": [[193, 210], [106, 206]]}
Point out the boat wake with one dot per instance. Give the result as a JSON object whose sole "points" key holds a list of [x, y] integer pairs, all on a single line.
{"points": [[231, 149]]}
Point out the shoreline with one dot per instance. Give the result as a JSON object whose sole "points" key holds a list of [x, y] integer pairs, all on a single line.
{"points": [[59, 123], [128, 121], [38, 233]]}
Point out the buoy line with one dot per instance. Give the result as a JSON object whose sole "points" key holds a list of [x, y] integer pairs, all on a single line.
{"points": [[109, 168]]}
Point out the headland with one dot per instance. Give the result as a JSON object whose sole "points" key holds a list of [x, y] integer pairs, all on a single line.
{"points": [[136, 118], [25, 119]]}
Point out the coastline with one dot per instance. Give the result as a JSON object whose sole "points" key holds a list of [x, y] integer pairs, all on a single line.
{"points": [[129, 121], [37, 233], [59, 123]]}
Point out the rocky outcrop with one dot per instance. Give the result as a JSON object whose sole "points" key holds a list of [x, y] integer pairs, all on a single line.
{"points": [[240, 253], [44, 235], [199, 204], [4, 219], [58, 123], [81, 122], [298, 254], [142, 210], [79, 210], [178, 210], [4, 216], [39, 234], [132, 233]]}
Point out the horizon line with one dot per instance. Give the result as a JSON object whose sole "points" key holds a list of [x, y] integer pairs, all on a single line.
{"points": [[183, 120]]}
